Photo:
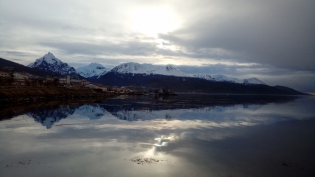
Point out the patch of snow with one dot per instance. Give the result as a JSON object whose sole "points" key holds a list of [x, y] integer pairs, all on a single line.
{"points": [[48, 58], [93, 69], [137, 68], [169, 71], [50, 63], [223, 78], [253, 81], [131, 67]]}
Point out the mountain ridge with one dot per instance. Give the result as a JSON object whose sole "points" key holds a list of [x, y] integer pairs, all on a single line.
{"points": [[150, 76], [16, 67], [91, 70], [169, 70], [52, 64]]}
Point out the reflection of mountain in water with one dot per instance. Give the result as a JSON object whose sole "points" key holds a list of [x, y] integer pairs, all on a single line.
{"points": [[92, 111], [147, 108], [47, 117], [133, 115]]}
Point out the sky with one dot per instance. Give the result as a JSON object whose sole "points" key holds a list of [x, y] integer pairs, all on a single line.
{"points": [[273, 40]]}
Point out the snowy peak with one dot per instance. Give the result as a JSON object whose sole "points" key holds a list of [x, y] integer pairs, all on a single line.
{"points": [[50, 63], [49, 58], [93, 69], [169, 70], [253, 81], [137, 68], [222, 78], [218, 78], [134, 68]]}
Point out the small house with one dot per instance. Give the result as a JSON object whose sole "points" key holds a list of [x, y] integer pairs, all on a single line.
{"points": [[19, 76], [4, 74]]}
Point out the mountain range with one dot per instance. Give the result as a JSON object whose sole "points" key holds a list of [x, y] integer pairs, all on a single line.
{"points": [[92, 70], [202, 107], [95, 70], [152, 76]]}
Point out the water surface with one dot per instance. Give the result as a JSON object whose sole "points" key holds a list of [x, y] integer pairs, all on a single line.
{"points": [[187, 135]]}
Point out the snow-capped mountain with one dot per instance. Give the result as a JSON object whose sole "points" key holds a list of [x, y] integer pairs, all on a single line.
{"points": [[167, 70], [93, 69], [136, 68], [133, 68], [218, 78], [50, 63], [222, 78], [253, 81]]}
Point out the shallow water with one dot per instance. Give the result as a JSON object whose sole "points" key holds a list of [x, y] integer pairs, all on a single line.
{"points": [[187, 135]]}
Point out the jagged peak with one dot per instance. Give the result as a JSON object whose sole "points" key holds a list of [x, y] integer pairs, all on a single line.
{"points": [[48, 58], [49, 62]]}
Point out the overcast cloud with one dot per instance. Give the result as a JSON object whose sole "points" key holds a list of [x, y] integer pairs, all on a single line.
{"points": [[273, 40]]}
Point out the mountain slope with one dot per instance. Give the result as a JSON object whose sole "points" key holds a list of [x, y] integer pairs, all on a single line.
{"points": [[252, 81], [15, 67], [289, 90], [92, 70], [186, 84], [222, 78], [169, 71], [134, 68], [50, 63]]}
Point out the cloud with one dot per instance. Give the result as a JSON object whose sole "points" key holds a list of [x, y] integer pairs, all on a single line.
{"points": [[299, 80], [105, 47], [242, 38], [279, 33]]}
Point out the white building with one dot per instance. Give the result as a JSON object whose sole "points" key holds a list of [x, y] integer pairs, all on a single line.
{"points": [[96, 86], [19, 76]]}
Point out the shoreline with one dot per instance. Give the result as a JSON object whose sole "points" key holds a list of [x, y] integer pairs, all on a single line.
{"points": [[36, 94]]}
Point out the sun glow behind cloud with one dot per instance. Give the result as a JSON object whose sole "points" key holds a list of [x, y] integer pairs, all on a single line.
{"points": [[152, 21]]}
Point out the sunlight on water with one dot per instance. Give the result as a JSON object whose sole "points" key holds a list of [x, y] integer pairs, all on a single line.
{"points": [[175, 136]]}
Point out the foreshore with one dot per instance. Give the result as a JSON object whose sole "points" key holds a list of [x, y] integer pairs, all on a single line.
{"points": [[20, 95]]}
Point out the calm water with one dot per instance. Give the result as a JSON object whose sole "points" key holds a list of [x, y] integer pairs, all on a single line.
{"points": [[199, 135]]}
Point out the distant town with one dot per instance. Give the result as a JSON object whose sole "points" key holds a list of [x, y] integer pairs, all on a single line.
{"points": [[23, 80]]}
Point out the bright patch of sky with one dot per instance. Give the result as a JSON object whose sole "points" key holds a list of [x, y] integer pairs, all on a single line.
{"points": [[278, 36]]}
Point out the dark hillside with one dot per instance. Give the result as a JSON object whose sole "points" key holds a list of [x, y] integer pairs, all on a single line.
{"points": [[9, 66], [188, 84]]}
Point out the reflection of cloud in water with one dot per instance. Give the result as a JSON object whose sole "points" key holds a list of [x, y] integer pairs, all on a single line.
{"points": [[163, 141], [196, 117], [233, 143]]}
